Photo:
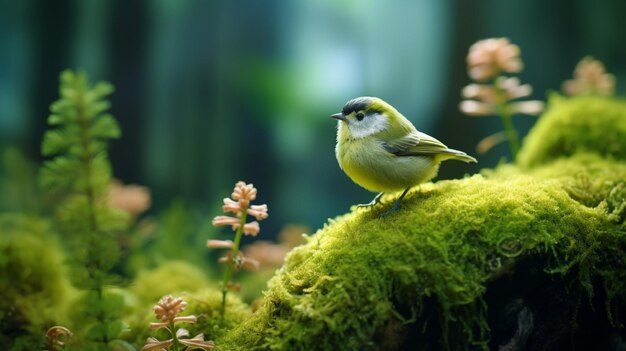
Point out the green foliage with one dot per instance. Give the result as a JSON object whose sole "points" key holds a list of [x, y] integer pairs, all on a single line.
{"points": [[578, 124], [169, 278], [80, 172], [204, 304], [180, 235], [34, 290], [362, 282], [18, 182]]}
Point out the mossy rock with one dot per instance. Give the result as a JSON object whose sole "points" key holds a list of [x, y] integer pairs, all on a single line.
{"points": [[35, 292], [578, 124], [530, 257]]}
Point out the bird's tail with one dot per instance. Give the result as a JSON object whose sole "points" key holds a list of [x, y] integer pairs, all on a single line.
{"points": [[451, 154]]}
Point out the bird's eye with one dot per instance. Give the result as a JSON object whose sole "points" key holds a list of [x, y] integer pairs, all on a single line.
{"points": [[360, 116]]}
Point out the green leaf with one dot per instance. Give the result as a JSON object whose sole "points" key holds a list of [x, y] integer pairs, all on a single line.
{"points": [[66, 109], [100, 174], [99, 91], [58, 141], [61, 174], [105, 127], [56, 119], [96, 108], [113, 219]]}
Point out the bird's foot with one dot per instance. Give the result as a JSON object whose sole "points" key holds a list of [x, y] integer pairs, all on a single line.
{"points": [[396, 204], [393, 209], [374, 202]]}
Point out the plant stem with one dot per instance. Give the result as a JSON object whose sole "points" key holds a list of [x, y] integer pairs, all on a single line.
{"points": [[93, 262], [233, 254], [175, 342], [506, 117], [509, 129]]}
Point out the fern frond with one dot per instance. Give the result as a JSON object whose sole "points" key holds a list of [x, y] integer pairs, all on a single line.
{"points": [[80, 169]]}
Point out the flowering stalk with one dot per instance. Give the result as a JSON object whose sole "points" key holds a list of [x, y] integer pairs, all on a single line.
{"points": [[240, 205], [507, 122], [590, 78], [487, 60], [167, 310], [229, 267]]}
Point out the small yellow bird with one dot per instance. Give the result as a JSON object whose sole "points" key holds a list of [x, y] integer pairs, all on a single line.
{"points": [[380, 150]]}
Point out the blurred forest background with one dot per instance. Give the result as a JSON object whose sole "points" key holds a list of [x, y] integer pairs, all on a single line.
{"points": [[211, 92]]}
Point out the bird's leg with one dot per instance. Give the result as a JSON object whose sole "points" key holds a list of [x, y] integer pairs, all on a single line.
{"points": [[374, 202], [396, 205]]}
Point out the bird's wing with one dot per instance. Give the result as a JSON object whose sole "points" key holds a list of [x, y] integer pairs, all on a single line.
{"points": [[415, 144]]}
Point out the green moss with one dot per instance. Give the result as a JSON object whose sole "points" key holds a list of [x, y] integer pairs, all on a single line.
{"points": [[170, 277], [35, 293], [361, 282], [204, 304], [418, 278], [571, 125]]}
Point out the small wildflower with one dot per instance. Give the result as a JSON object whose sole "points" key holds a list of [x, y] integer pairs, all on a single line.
{"points": [[56, 336], [488, 57], [134, 199], [167, 310], [486, 61], [220, 244], [239, 204], [226, 220], [251, 228], [489, 98], [590, 78], [258, 211], [169, 307]]}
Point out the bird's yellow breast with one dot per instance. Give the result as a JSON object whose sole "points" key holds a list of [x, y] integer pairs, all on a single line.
{"points": [[369, 165]]}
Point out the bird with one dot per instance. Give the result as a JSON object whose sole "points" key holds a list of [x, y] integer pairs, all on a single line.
{"points": [[380, 150]]}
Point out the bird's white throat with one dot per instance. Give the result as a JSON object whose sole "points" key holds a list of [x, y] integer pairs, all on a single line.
{"points": [[371, 124]]}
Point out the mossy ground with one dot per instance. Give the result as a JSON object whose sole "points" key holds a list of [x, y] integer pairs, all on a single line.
{"points": [[528, 256], [573, 125], [35, 292], [181, 280], [418, 278]]}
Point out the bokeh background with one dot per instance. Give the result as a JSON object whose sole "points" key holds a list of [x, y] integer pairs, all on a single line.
{"points": [[211, 92]]}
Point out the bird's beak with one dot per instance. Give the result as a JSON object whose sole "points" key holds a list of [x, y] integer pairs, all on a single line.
{"points": [[340, 117]]}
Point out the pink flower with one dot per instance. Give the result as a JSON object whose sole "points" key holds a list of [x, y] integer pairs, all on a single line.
{"points": [[488, 57], [152, 344], [219, 221], [243, 193], [258, 211], [251, 228], [488, 98], [231, 206], [219, 244], [590, 78], [169, 307], [134, 199], [167, 310]]}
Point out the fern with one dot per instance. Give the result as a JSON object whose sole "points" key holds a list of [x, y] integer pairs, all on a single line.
{"points": [[80, 172]]}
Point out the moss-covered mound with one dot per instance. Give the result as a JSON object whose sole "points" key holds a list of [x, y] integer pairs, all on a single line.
{"points": [[35, 293], [512, 259], [571, 125], [170, 277]]}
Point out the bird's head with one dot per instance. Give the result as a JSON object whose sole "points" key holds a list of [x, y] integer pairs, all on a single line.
{"points": [[365, 116]]}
